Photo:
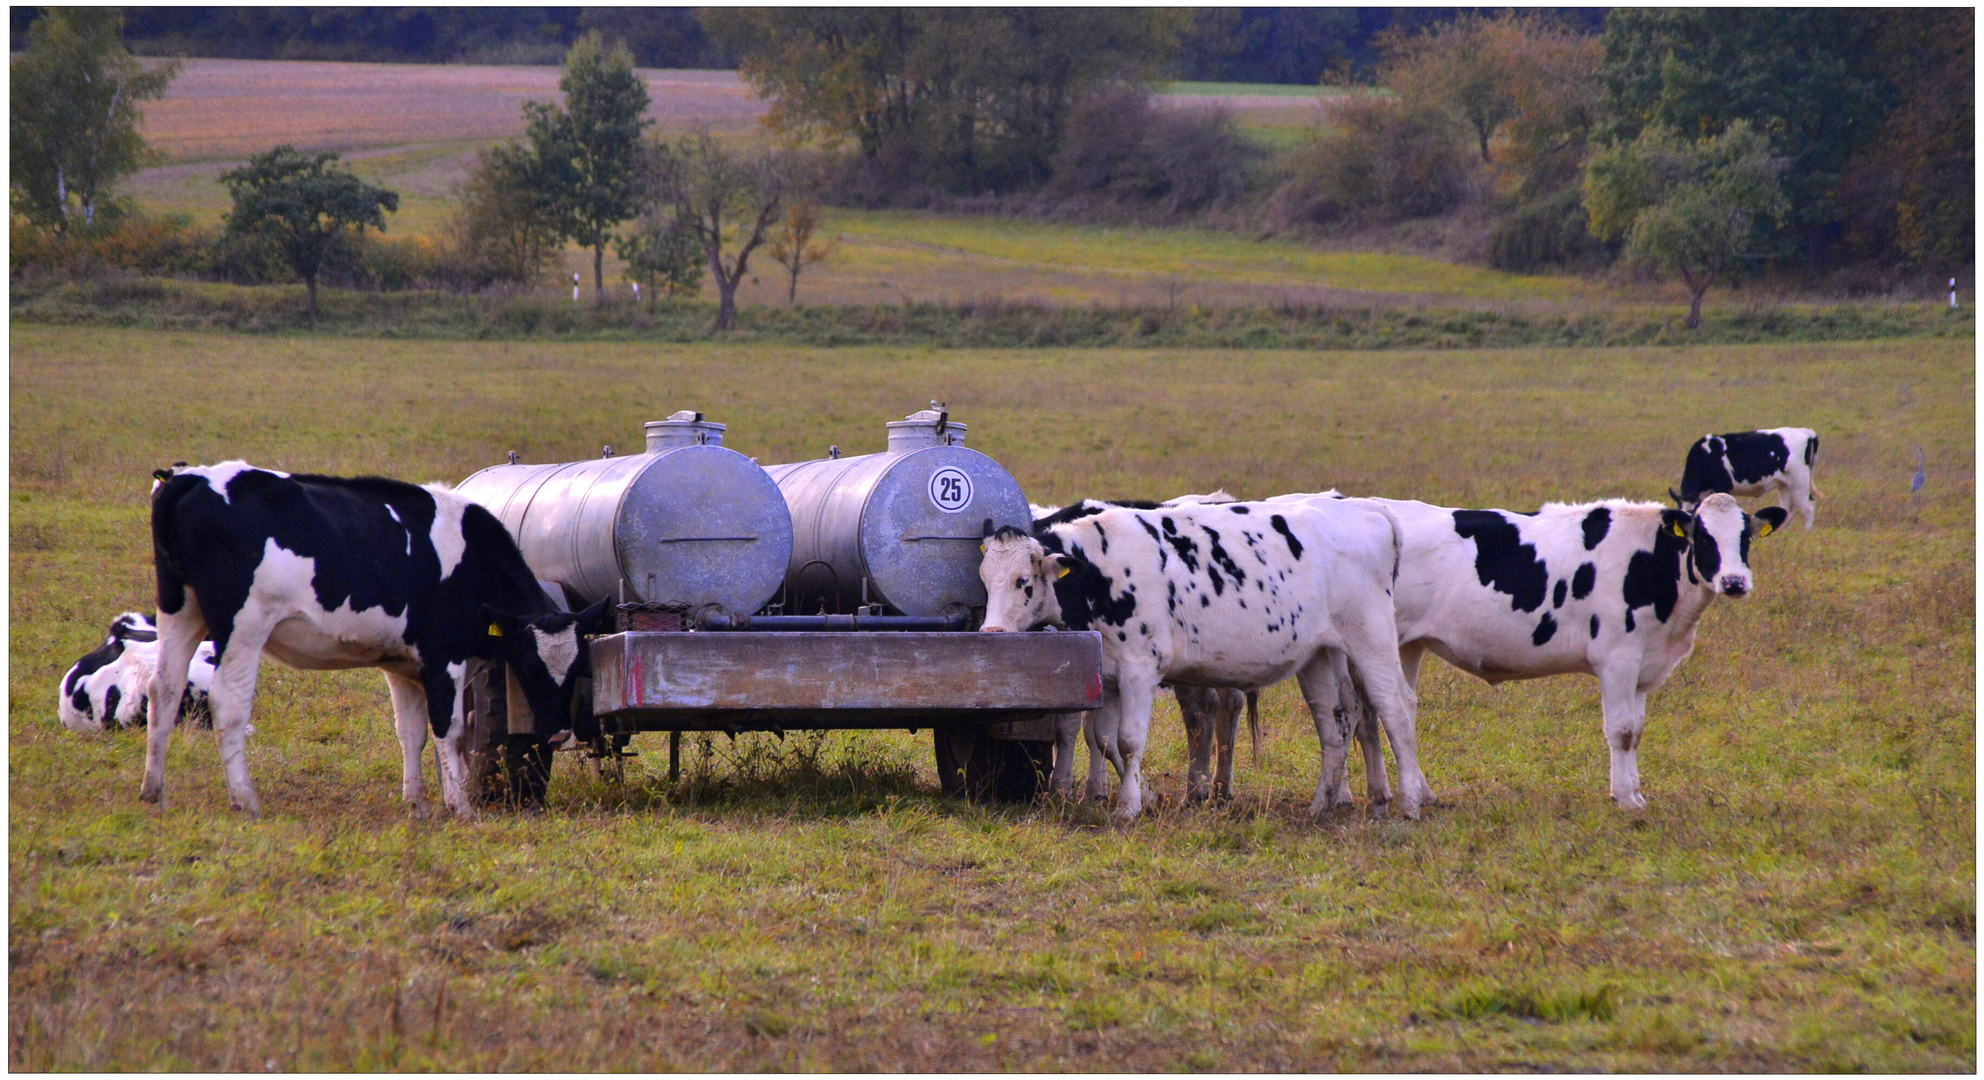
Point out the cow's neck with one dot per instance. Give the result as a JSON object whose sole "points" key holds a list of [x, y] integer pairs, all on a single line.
{"points": [[1689, 607]]}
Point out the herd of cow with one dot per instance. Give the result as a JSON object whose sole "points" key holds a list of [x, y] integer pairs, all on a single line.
{"points": [[1346, 595]]}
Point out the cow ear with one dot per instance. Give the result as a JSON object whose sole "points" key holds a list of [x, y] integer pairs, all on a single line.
{"points": [[1770, 519], [597, 619], [1676, 522], [1060, 566], [501, 623]]}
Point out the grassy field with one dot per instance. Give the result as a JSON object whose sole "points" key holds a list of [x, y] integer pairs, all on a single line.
{"points": [[1800, 896]]}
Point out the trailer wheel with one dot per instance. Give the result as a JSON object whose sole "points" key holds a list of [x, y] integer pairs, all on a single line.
{"points": [[974, 765]]}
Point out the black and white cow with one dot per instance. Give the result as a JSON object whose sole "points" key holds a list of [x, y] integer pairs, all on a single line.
{"points": [[1753, 463], [1241, 594], [109, 688], [1614, 589], [323, 572], [1210, 714]]}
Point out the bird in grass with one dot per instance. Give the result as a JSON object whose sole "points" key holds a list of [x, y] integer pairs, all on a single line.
{"points": [[1921, 477]]}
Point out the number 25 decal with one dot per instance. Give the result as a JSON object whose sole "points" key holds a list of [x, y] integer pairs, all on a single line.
{"points": [[950, 490]]}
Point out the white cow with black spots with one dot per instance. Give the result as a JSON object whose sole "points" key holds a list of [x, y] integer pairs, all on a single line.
{"points": [[1211, 714], [1613, 589], [109, 688], [320, 573], [1242, 594], [1753, 463]]}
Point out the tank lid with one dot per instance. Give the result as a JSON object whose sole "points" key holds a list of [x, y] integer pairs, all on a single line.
{"points": [[684, 428], [927, 427]]}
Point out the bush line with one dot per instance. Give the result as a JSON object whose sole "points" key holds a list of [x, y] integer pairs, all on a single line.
{"points": [[164, 304]]}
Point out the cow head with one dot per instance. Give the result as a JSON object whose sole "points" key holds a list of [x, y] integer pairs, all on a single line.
{"points": [[1718, 535], [1019, 576], [548, 656]]}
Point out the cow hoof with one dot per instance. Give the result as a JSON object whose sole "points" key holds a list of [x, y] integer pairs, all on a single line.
{"points": [[152, 793], [1633, 803], [250, 806], [419, 808]]}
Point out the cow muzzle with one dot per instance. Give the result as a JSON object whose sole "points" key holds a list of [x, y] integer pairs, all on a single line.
{"points": [[992, 630], [1732, 586]]}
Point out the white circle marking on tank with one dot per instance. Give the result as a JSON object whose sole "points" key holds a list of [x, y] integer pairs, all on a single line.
{"points": [[950, 489]]}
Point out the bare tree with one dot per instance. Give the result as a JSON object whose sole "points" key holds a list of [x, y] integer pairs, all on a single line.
{"points": [[793, 244], [723, 200]]}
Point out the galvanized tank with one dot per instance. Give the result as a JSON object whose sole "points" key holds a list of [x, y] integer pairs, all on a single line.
{"points": [[899, 529], [687, 522]]}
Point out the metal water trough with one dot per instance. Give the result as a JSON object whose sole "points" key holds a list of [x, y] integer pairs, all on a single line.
{"points": [[887, 643]]}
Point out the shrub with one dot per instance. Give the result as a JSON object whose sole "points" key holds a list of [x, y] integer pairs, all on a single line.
{"points": [[167, 244], [1378, 161], [503, 230], [1118, 146], [1549, 231]]}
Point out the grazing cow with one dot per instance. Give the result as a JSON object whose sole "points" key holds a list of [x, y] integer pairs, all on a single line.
{"points": [[321, 572], [109, 688], [1614, 589], [1210, 714], [1753, 463], [1251, 593]]}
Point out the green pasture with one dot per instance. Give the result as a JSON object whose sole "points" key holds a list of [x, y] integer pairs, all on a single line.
{"points": [[1800, 896]]}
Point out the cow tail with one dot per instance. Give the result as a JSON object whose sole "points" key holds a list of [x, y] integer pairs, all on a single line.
{"points": [[1398, 544], [1254, 722], [165, 555]]}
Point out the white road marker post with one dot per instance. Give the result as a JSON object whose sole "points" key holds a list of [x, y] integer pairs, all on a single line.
{"points": [[1952, 293], [575, 286]]}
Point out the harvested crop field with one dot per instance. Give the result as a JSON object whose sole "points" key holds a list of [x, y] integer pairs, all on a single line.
{"points": [[1799, 897]]}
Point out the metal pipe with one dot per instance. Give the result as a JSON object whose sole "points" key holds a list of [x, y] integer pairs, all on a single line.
{"points": [[956, 620]]}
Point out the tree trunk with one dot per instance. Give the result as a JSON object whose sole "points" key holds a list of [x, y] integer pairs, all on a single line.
{"points": [[310, 286], [1695, 294], [792, 288], [726, 304], [598, 265]]}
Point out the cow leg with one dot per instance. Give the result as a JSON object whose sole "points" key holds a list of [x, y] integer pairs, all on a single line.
{"points": [[1373, 654], [1802, 493], [1100, 727], [445, 686], [410, 721], [1067, 734], [1625, 721], [179, 636], [235, 673], [1325, 695], [1231, 704], [1198, 739], [1135, 698]]}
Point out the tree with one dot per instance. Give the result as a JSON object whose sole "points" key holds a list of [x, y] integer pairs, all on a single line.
{"points": [[792, 243], [504, 229], [1686, 207], [586, 151], [662, 256], [73, 124], [304, 206], [1809, 78], [725, 202], [975, 96]]}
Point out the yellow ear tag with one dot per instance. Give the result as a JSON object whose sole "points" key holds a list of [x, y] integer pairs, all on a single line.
{"points": [[495, 630], [1766, 530], [1064, 572], [981, 549], [1679, 530]]}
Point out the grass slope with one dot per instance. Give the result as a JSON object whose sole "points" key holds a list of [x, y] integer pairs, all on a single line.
{"points": [[1801, 896]]}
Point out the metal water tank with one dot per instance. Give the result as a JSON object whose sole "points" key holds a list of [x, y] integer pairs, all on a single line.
{"points": [[686, 522], [899, 529]]}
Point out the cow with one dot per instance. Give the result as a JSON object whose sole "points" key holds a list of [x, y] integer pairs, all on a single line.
{"points": [[1251, 594], [1753, 463], [324, 572], [1210, 714], [1613, 589], [108, 689]]}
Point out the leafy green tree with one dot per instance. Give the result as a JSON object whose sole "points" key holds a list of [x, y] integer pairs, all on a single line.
{"points": [[304, 206], [503, 229], [586, 151], [73, 119], [725, 202], [1685, 207], [977, 96], [1809, 78], [662, 256]]}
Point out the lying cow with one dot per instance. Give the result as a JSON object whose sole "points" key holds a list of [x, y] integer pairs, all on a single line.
{"points": [[1210, 714], [1753, 463], [109, 688], [1252, 593], [1614, 589], [320, 573]]}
